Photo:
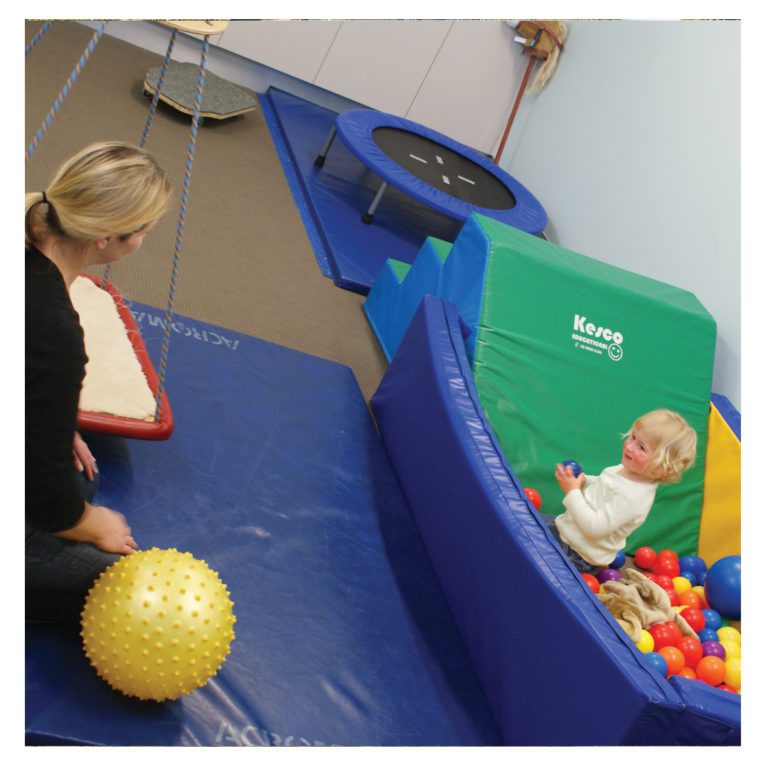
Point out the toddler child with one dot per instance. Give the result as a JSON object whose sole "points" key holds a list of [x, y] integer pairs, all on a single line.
{"points": [[601, 511]]}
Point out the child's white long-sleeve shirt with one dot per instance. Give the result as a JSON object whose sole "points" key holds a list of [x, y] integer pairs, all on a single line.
{"points": [[600, 515]]}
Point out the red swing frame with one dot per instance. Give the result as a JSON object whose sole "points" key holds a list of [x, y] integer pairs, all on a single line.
{"points": [[156, 428]]}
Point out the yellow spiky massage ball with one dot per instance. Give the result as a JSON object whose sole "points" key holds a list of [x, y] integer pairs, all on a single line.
{"points": [[157, 624]]}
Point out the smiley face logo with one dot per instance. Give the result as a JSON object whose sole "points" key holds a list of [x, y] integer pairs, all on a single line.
{"points": [[615, 352]]}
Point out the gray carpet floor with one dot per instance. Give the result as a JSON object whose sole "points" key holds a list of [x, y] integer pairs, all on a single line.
{"points": [[246, 261]]}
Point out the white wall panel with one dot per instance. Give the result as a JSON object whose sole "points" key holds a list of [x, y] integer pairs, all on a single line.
{"points": [[382, 63], [469, 91], [297, 48]]}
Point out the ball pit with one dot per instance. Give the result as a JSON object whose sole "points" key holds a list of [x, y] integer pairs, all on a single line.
{"points": [[157, 624], [706, 599]]}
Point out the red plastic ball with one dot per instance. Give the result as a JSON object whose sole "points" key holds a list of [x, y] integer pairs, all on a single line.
{"points": [[674, 598], [711, 670], [695, 618], [662, 635], [726, 687], [668, 553], [691, 649], [674, 658], [534, 496], [676, 632], [665, 582], [666, 566], [592, 581], [645, 557]]}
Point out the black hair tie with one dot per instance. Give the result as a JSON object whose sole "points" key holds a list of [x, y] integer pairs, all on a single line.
{"points": [[45, 198]]}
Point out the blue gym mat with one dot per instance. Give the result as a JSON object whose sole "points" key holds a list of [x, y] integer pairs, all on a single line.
{"points": [[332, 199], [275, 476]]}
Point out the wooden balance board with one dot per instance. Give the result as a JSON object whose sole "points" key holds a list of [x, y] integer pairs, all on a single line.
{"points": [[221, 99]]}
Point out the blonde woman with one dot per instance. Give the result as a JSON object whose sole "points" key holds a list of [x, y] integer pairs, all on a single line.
{"points": [[97, 209]]}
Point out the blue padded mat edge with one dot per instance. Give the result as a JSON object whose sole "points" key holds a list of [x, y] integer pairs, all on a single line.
{"points": [[276, 477]]}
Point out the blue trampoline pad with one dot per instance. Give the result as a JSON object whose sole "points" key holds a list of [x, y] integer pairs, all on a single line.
{"points": [[275, 476], [437, 170]]}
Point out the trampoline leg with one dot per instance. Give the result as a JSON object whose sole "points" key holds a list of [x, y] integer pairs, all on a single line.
{"points": [[320, 159], [368, 215]]}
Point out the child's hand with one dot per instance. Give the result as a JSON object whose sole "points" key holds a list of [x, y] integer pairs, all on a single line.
{"points": [[566, 480]]}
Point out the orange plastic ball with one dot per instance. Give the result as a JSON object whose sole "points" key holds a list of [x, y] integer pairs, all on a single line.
{"points": [[674, 658], [711, 670], [703, 595], [687, 672], [691, 599]]}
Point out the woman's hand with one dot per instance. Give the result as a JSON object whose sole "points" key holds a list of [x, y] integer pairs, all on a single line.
{"points": [[104, 528], [566, 480], [84, 461]]}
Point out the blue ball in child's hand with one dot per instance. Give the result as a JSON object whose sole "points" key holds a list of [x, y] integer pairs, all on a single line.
{"points": [[574, 465]]}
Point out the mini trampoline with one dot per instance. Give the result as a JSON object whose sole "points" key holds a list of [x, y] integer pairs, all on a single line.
{"points": [[436, 170]]}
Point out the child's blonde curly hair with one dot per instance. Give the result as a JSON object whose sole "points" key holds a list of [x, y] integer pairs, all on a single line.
{"points": [[673, 444]]}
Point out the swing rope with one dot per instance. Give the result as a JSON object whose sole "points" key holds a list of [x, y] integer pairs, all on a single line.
{"points": [[180, 227], [65, 90], [36, 39], [148, 123]]}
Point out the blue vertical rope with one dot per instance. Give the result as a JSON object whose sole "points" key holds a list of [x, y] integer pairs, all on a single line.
{"points": [[36, 38], [180, 227], [65, 90], [156, 96], [148, 123]]}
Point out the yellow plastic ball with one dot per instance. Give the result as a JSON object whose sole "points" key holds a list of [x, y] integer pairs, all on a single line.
{"points": [[681, 584], [729, 633], [157, 624], [732, 649], [646, 643], [733, 672]]}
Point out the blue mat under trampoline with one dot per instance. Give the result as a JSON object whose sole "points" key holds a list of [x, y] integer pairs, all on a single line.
{"points": [[331, 199], [276, 477]]}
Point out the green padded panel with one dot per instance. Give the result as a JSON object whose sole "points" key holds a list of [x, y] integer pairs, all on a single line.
{"points": [[551, 387]]}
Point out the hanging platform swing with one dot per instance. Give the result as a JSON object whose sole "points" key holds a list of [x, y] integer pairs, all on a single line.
{"points": [[116, 351]]}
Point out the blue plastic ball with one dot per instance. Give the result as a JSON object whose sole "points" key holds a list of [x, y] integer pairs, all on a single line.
{"points": [[656, 661], [619, 560], [693, 564], [707, 634], [574, 465], [722, 586], [713, 618], [692, 577]]}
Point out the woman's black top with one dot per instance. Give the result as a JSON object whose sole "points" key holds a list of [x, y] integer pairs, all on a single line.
{"points": [[55, 368]]}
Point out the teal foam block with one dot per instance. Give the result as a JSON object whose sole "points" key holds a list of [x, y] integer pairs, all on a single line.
{"points": [[454, 272]]}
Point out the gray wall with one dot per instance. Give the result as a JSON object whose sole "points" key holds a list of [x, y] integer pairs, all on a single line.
{"points": [[633, 148]]}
